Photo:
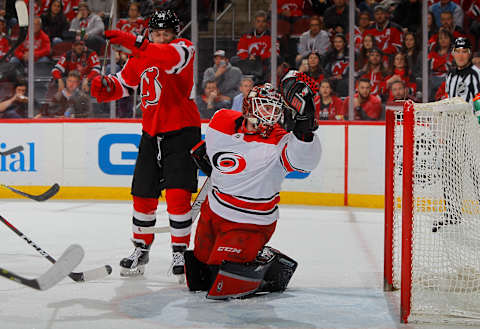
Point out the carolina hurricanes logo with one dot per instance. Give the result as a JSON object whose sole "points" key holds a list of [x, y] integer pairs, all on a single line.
{"points": [[150, 87], [229, 163]]}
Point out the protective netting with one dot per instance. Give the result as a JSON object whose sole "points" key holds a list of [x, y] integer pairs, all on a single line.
{"points": [[446, 213]]}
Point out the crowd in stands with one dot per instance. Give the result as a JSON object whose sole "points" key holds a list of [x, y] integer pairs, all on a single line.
{"points": [[313, 37]]}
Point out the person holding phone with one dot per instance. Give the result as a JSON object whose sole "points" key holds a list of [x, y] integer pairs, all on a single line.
{"points": [[226, 75]]}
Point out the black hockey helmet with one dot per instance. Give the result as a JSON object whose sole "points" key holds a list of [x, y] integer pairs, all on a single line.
{"points": [[462, 42], [164, 19]]}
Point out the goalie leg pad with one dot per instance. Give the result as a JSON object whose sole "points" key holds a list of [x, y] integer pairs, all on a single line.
{"points": [[196, 272], [279, 272], [235, 280]]}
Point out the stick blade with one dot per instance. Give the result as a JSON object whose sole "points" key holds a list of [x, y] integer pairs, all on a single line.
{"points": [[12, 150], [91, 275], [72, 256]]}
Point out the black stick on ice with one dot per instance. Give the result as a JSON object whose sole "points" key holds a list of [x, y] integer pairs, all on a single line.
{"points": [[72, 256], [93, 274], [41, 197]]}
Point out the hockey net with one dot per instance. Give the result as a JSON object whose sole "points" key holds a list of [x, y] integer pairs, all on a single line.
{"points": [[432, 211]]}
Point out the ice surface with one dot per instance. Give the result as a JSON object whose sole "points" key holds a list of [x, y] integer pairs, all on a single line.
{"points": [[338, 283]]}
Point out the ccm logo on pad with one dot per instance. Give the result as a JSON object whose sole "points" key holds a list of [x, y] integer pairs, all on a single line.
{"points": [[229, 249]]}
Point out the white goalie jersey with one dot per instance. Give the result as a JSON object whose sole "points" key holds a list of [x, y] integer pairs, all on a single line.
{"points": [[248, 170]]}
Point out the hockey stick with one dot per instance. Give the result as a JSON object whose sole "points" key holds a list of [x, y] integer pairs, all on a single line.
{"points": [[22, 15], [94, 274], [197, 204], [12, 150], [71, 257], [42, 197]]}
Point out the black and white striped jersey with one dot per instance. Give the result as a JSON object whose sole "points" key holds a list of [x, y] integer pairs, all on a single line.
{"points": [[464, 83]]}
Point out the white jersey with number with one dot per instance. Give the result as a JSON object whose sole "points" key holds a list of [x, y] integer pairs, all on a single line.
{"points": [[248, 170]]}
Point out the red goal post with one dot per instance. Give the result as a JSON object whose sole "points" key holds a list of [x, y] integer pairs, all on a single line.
{"points": [[432, 211]]}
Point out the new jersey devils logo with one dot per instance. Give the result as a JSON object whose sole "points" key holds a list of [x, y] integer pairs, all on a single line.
{"points": [[150, 87], [229, 163]]}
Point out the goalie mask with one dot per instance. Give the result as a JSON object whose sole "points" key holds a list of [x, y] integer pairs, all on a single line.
{"points": [[262, 108], [164, 19]]}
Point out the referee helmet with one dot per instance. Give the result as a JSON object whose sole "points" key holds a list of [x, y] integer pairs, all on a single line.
{"points": [[462, 42]]}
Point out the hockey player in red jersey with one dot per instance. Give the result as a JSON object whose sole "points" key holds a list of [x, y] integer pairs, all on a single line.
{"points": [[163, 70], [250, 155]]}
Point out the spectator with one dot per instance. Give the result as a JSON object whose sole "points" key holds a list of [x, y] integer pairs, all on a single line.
{"points": [[365, 105], [71, 101], [327, 105], [316, 39], [336, 15], [359, 30], [447, 5], [89, 27], [100, 7], [336, 67], [54, 22], [15, 107], [375, 72], [245, 86], [224, 74], [388, 35], [134, 23], [367, 6], [254, 49], [81, 59], [408, 15], [211, 100], [398, 91], [412, 50], [70, 8], [400, 72], [290, 17], [313, 67], [440, 60], [476, 59], [446, 19], [472, 19], [368, 43], [4, 44], [318, 7], [41, 46], [431, 26]]}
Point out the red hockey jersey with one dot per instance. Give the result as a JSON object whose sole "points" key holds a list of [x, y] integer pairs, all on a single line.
{"points": [[136, 27], [389, 39], [87, 64], [164, 73], [248, 170], [255, 44]]}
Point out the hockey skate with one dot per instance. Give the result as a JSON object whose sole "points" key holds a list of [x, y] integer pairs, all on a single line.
{"points": [[134, 265], [178, 263]]}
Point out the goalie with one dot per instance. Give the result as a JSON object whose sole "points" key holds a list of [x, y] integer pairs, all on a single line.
{"points": [[250, 155]]}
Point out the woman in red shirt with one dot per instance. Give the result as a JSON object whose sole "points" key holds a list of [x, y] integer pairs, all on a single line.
{"points": [[327, 105]]}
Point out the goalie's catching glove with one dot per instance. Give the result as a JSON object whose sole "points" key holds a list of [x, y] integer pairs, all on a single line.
{"points": [[128, 42], [298, 91]]}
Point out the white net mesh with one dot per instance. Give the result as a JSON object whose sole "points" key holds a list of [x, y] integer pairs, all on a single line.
{"points": [[446, 213]]}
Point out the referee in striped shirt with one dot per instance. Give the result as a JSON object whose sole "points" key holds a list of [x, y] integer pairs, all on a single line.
{"points": [[464, 80]]}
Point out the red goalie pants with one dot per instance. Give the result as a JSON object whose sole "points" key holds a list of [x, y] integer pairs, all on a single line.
{"points": [[218, 239]]}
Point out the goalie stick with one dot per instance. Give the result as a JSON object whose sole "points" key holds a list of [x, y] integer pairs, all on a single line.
{"points": [[12, 150], [41, 197], [71, 257], [90, 275], [197, 204]]}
